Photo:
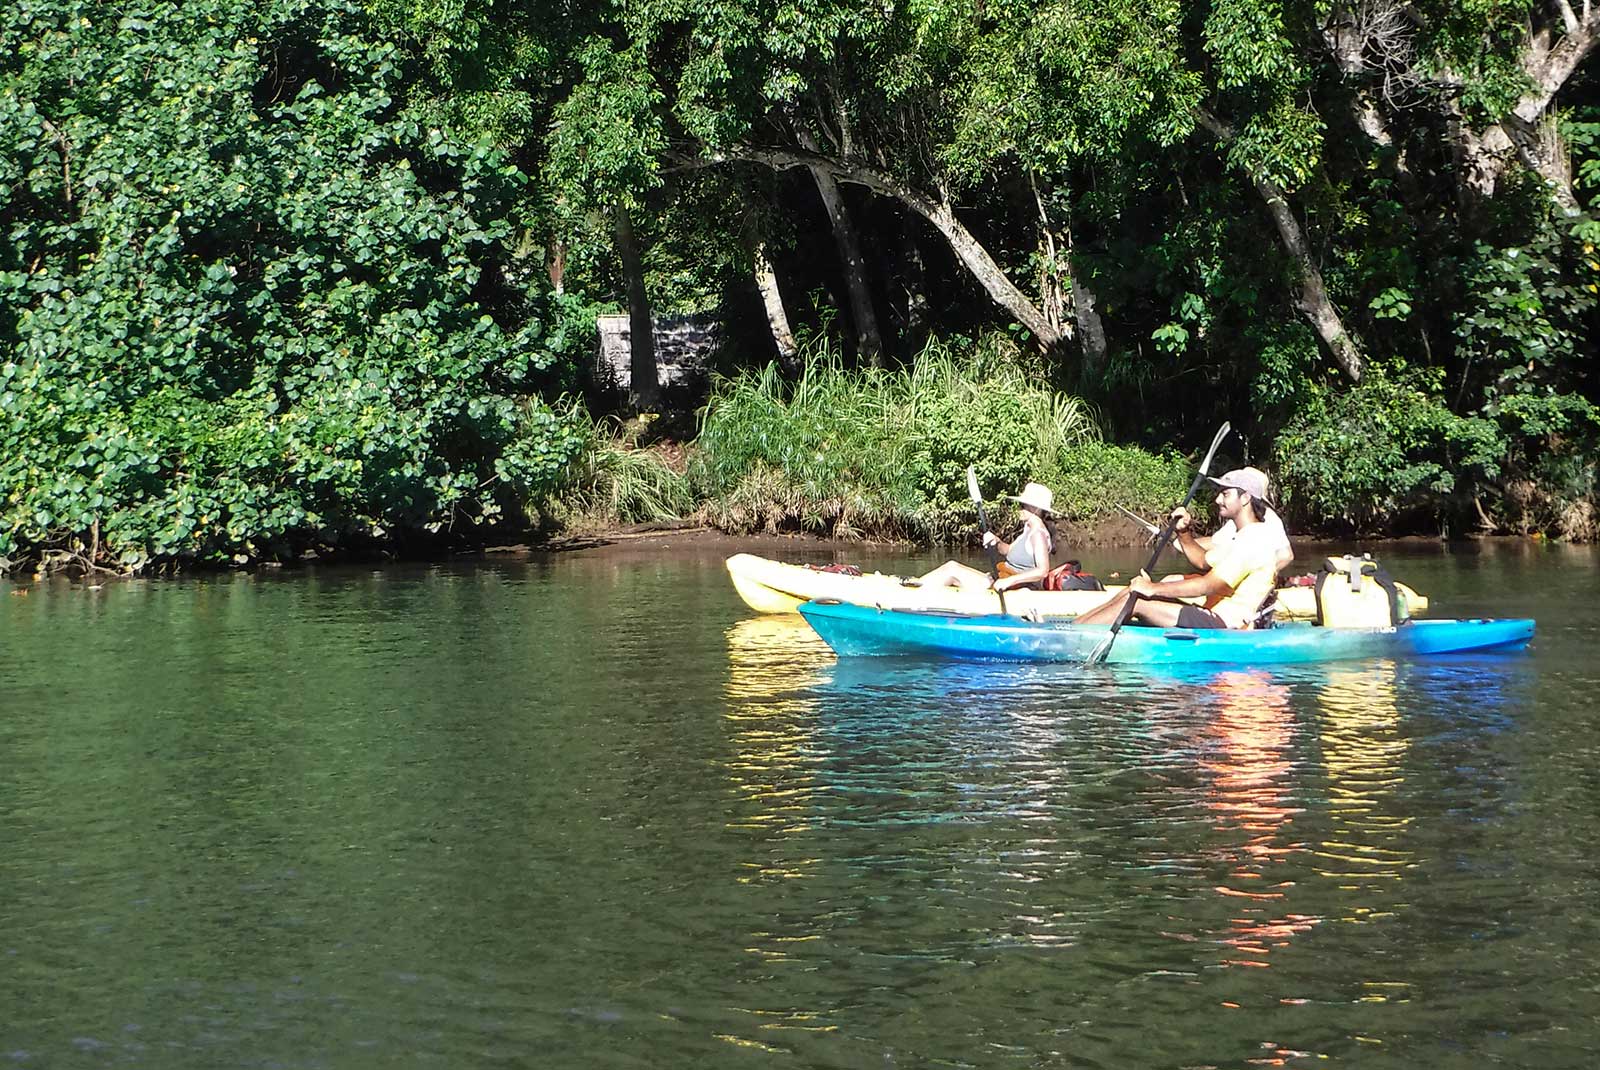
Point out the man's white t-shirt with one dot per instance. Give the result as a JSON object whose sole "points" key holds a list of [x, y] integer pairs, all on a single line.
{"points": [[1272, 530]]}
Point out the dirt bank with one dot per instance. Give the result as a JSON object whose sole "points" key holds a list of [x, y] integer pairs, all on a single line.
{"points": [[695, 540], [1112, 534]]}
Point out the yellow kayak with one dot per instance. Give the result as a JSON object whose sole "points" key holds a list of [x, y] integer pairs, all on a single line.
{"points": [[768, 586]]}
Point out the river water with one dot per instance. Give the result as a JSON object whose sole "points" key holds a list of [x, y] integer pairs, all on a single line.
{"points": [[586, 811]]}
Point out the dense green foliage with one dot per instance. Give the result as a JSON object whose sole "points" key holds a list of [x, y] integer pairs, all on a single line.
{"points": [[290, 274], [246, 305], [1383, 447]]}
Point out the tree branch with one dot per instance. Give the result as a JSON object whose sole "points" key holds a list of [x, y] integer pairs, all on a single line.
{"points": [[938, 211], [1313, 299], [1568, 19], [64, 148], [1551, 67]]}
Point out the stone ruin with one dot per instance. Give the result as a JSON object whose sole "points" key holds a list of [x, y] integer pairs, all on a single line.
{"points": [[684, 344]]}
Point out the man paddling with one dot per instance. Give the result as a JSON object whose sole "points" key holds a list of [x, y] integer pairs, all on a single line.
{"points": [[1203, 551], [1239, 577]]}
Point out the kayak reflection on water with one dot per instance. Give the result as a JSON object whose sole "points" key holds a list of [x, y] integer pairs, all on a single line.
{"points": [[1254, 782]]}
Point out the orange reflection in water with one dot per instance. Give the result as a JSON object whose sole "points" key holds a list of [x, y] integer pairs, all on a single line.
{"points": [[1252, 772]]}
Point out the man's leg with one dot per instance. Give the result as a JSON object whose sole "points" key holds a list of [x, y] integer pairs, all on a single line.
{"points": [[1106, 612], [1158, 614], [1151, 609]]}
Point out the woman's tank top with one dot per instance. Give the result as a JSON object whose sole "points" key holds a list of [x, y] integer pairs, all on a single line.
{"points": [[1020, 556]]}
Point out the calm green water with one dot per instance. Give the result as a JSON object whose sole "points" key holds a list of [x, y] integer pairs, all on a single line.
{"points": [[587, 812]]}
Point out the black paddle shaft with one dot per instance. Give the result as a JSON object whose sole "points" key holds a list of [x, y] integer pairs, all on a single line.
{"points": [[1099, 653], [1171, 525], [993, 548]]}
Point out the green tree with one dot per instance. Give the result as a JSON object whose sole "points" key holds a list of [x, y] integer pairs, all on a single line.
{"points": [[246, 303]]}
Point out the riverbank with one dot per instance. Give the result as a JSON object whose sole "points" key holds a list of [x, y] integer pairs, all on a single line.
{"points": [[1115, 532], [1113, 537]]}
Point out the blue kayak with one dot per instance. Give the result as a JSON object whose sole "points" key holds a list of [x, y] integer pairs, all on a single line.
{"points": [[861, 630]]}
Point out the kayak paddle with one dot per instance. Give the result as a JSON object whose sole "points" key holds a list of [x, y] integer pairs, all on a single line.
{"points": [[1137, 519], [983, 521], [1102, 648]]}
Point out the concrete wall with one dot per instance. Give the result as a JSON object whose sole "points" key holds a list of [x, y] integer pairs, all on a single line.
{"points": [[683, 344]]}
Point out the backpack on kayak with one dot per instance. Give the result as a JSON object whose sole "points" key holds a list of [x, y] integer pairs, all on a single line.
{"points": [[1071, 577], [1357, 592]]}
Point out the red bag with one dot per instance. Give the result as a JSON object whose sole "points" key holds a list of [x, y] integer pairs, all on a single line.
{"points": [[1071, 577]]}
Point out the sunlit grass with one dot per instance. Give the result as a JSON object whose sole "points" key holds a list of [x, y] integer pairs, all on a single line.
{"points": [[614, 481], [871, 452]]}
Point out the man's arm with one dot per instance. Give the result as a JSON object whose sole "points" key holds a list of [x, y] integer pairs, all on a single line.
{"points": [[1193, 546], [1205, 585]]}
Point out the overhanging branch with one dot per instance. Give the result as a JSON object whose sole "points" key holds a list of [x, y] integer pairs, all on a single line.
{"points": [[935, 210]]}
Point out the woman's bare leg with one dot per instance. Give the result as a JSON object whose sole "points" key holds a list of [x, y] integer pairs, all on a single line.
{"points": [[955, 574]]}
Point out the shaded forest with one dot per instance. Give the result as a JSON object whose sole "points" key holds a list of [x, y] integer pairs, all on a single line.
{"points": [[289, 275]]}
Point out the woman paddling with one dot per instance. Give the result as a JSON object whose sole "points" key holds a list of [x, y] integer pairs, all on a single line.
{"points": [[1025, 560]]}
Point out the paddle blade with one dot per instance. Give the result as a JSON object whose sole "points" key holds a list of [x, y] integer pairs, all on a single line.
{"points": [[1222, 433], [1150, 528], [1101, 649], [977, 500]]}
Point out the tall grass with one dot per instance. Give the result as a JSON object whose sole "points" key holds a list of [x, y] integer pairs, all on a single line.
{"points": [[824, 453], [845, 452], [848, 452], [939, 376], [614, 481]]}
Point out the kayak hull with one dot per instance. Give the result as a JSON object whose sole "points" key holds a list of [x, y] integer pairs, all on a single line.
{"points": [[768, 586], [854, 631]]}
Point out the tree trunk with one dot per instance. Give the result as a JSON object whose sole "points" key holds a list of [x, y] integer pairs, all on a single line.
{"points": [[555, 263], [772, 299], [918, 314], [1055, 276], [1527, 133], [938, 211], [1312, 300], [1481, 158], [1061, 285], [1543, 150], [991, 277], [1345, 36], [644, 387], [869, 342], [1091, 329], [1388, 32]]}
